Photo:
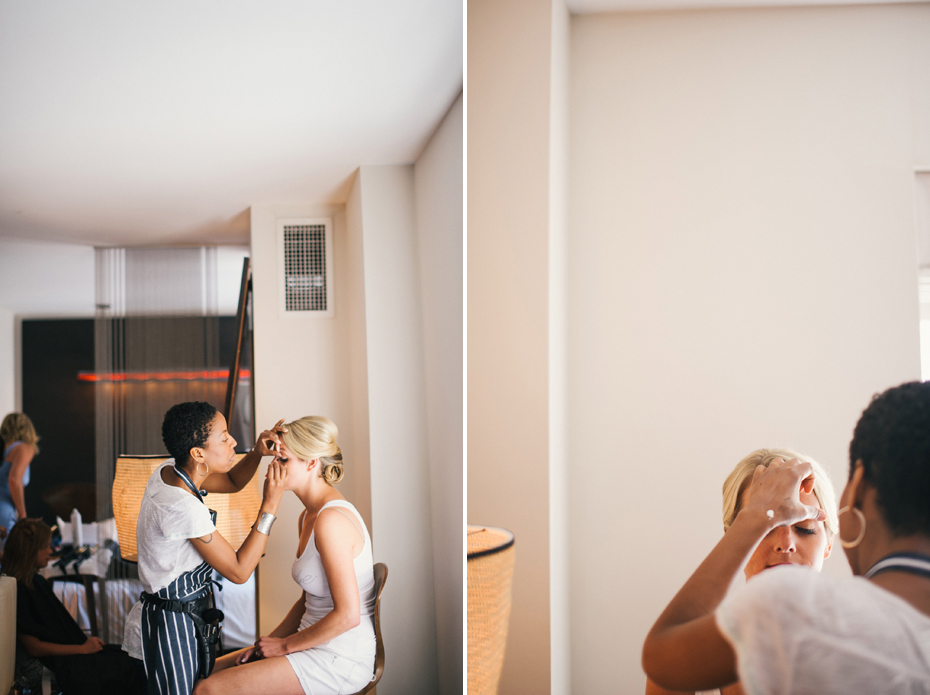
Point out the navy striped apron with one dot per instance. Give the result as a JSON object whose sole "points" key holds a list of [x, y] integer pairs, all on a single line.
{"points": [[169, 640]]}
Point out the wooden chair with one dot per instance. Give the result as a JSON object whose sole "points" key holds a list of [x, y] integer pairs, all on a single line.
{"points": [[381, 573]]}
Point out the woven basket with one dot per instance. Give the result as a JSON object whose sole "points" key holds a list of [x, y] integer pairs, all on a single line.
{"points": [[490, 579]]}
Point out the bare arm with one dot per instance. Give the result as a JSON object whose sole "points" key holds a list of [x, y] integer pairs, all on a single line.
{"points": [[239, 475], [338, 541], [291, 621], [237, 566], [685, 650], [37, 648], [20, 459]]}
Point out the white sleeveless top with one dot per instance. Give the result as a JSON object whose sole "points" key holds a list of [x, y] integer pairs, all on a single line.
{"points": [[358, 643]]}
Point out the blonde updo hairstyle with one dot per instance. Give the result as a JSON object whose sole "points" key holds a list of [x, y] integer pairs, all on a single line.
{"points": [[737, 482], [17, 427], [314, 437]]}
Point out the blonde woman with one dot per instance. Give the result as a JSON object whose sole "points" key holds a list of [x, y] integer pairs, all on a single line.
{"points": [[806, 543], [326, 642], [795, 631], [19, 446]]}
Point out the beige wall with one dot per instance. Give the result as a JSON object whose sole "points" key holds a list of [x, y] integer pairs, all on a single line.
{"points": [[302, 367], [743, 273], [400, 493], [439, 207], [559, 472], [509, 131]]}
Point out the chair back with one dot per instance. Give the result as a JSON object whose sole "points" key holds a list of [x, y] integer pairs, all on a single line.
{"points": [[381, 573], [7, 632]]}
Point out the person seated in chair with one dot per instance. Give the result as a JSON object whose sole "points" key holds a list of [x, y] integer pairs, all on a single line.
{"points": [[326, 643], [46, 631], [805, 544]]}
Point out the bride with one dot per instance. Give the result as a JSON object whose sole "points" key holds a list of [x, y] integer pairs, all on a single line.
{"points": [[326, 642]]}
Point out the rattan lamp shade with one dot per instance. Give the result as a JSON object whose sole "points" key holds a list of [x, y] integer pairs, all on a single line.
{"points": [[490, 579], [235, 513]]}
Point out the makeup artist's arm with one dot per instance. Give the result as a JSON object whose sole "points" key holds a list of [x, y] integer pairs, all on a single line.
{"points": [[240, 474], [685, 650]]}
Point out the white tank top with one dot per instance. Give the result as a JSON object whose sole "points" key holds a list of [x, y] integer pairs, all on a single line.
{"points": [[359, 642]]}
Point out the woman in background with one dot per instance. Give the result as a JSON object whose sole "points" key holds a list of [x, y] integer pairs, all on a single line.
{"points": [[807, 543], [45, 630], [19, 446], [326, 643]]}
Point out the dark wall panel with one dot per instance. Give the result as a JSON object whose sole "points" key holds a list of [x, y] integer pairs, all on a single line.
{"points": [[61, 407]]}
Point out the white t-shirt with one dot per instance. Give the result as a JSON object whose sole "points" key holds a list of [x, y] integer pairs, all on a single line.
{"points": [[797, 631], [168, 518]]}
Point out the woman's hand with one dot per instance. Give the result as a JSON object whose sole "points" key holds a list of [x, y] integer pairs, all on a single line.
{"points": [[246, 656], [774, 493], [275, 483], [269, 439], [92, 645], [267, 647]]}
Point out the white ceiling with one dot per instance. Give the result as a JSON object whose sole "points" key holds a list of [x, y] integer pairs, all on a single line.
{"points": [[161, 123], [592, 6]]}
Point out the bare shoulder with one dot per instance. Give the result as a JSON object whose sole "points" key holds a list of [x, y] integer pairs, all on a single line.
{"points": [[23, 452], [333, 528]]}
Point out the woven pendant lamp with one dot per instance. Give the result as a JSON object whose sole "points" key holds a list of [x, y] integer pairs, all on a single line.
{"points": [[235, 512], [490, 579]]}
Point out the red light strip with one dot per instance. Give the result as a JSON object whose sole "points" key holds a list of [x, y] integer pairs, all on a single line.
{"points": [[192, 375]]}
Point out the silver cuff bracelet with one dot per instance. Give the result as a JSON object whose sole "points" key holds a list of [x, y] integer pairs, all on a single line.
{"points": [[265, 523]]}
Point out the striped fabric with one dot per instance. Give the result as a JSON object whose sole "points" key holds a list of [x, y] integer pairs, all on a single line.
{"points": [[169, 640]]}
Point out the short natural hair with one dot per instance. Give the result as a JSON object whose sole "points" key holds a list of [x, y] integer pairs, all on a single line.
{"points": [[314, 437], [738, 480], [892, 439], [26, 539], [186, 425], [17, 427]]}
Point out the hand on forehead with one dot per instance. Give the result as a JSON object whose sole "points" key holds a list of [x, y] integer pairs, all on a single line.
{"points": [[806, 493]]}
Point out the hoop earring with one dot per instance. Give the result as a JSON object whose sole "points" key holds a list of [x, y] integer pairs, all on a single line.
{"points": [[861, 517], [205, 466]]}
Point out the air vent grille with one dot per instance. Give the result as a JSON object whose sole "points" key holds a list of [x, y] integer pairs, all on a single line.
{"points": [[305, 272]]}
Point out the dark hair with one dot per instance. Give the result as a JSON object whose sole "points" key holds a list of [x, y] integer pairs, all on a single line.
{"points": [[26, 539], [892, 439], [186, 425]]}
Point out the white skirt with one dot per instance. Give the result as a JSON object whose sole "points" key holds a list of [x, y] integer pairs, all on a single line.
{"points": [[322, 672]]}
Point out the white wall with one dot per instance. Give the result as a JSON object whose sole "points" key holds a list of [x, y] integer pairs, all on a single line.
{"points": [[7, 361], [38, 279], [439, 208], [516, 52], [391, 353], [743, 273], [54, 280], [301, 368], [400, 486]]}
